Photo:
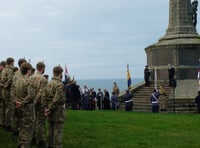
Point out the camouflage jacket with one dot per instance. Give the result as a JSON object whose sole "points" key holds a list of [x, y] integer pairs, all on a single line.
{"points": [[7, 76], [116, 90], [0, 81], [22, 87], [1, 86], [16, 76], [37, 85], [54, 99]]}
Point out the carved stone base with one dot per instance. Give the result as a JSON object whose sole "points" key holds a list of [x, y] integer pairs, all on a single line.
{"points": [[182, 53]]}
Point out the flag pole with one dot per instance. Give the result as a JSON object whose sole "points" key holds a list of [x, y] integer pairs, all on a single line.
{"points": [[66, 73], [155, 78], [198, 75]]}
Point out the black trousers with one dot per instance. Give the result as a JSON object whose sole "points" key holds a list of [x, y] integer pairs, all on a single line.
{"points": [[155, 108], [129, 106]]}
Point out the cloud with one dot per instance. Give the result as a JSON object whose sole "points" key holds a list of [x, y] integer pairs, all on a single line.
{"points": [[95, 38]]}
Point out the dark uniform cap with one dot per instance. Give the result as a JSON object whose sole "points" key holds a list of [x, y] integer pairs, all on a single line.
{"points": [[57, 69], [3, 63], [9, 60], [26, 66], [21, 61], [40, 64]]}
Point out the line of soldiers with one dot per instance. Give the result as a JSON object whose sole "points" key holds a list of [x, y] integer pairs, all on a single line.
{"points": [[27, 99]]}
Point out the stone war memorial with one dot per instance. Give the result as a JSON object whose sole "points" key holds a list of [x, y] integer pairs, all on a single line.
{"points": [[180, 46]]}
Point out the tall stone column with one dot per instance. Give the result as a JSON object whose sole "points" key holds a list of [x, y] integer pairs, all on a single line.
{"points": [[180, 46], [180, 18]]}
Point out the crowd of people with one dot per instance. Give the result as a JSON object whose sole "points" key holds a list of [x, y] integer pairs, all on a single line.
{"points": [[28, 100], [88, 98], [158, 97]]}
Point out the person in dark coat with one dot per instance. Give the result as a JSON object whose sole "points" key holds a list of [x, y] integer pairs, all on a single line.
{"points": [[114, 101], [75, 95], [147, 76], [92, 99], [154, 101], [100, 99], [106, 99], [85, 101], [128, 100], [171, 74], [68, 97], [197, 101]]}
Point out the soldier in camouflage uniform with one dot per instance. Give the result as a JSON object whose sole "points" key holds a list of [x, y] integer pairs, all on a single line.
{"points": [[37, 85], [2, 105], [6, 77], [16, 76], [54, 108], [162, 98], [25, 105]]}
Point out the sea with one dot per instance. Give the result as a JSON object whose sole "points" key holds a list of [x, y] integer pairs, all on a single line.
{"points": [[107, 83]]}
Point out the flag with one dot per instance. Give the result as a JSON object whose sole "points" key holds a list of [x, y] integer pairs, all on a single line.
{"points": [[128, 77], [66, 73]]}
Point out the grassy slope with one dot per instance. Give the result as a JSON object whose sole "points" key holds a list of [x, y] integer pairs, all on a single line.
{"points": [[125, 129]]}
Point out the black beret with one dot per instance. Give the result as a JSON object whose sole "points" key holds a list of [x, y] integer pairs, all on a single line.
{"points": [[21, 61], [3, 63], [9, 60], [40, 64], [57, 69]]}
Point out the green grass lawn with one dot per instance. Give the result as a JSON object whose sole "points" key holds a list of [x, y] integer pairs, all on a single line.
{"points": [[116, 129]]}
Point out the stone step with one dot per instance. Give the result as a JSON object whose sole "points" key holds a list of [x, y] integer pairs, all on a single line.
{"points": [[143, 93], [141, 99], [170, 109], [142, 102], [151, 90]]}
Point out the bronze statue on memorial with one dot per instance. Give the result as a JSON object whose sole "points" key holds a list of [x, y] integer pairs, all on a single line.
{"points": [[194, 12]]}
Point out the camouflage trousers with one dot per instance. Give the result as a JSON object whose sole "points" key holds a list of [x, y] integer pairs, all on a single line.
{"points": [[26, 120], [2, 118], [8, 107], [16, 120], [40, 125], [55, 134], [162, 102]]}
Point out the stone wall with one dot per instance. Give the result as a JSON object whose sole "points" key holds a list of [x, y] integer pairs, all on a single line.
{"points": [[184, 58]]}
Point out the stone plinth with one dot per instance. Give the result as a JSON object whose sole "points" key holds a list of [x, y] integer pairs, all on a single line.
{"points": [[186, 89], [182, 53]]}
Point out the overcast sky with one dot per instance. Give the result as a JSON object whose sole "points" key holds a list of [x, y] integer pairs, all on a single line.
{"points": [[94, 38]]}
